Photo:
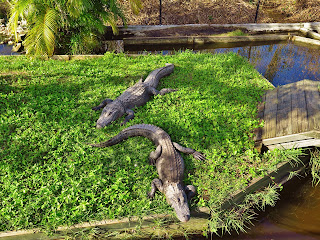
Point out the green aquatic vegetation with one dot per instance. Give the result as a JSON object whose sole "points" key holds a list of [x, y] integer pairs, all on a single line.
{"points": [[49, 176], [240, 217], [315, 166], [234, 33]]}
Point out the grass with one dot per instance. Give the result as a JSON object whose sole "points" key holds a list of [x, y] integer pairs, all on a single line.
{"points": [[49, 176]]}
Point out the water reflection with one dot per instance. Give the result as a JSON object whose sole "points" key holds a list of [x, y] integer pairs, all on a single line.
{"points": [[6, 50], [281, 63]]}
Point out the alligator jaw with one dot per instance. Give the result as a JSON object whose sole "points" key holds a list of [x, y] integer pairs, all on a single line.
{"points": [[177, 198], [104, 121]]}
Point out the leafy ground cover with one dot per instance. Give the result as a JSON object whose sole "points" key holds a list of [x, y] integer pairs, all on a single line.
{"points": [[49, 176]]}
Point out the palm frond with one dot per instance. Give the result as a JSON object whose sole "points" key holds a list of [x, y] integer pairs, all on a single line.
{"points": [[18, 7], [77, 7], [112, 20], [41, 38]]}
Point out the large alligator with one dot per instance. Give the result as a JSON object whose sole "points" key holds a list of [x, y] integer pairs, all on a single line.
{"points": [[169, 163], [135, 96]]}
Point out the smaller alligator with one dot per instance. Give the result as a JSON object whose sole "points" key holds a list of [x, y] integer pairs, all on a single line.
{"points": [[135, 96], [169, 164]]}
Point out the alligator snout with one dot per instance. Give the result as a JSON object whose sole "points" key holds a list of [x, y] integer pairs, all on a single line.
{"points": [[109, 114], [184, 218], [99, 126], [178, 200]]}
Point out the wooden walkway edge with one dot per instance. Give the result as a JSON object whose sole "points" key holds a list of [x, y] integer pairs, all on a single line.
{"points": [[291, 115]]}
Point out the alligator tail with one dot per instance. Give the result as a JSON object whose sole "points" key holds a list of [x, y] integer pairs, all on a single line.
{"points": [[151, 132], [154, 77]]}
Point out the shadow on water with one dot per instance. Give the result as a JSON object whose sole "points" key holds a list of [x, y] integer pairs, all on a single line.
{"points": [[279, 63]]}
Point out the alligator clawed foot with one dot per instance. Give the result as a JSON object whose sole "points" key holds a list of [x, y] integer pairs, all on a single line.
{"points": [[150, 195], [199, 156], [152, 162]]}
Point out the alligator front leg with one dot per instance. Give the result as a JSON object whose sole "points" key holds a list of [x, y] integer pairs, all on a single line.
{"points": [[154, 155], [195, 154], [163, 91], [190, 191], [102, 104], [156, 184], [128, 117]]}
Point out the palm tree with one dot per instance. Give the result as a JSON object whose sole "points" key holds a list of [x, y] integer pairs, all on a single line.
{"points": [[74, 23]]}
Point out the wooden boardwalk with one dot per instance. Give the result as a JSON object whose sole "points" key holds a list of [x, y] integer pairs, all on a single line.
{"points": [[291, 115]]}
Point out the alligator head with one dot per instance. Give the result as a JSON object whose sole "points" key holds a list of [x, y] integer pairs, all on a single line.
{"points": [[110, 113], [177, 198]]}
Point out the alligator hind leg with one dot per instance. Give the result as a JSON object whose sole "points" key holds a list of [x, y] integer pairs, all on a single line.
{"points": [[156, 184], [163, 91], [195, 154], [102, 104], [154, 155]]}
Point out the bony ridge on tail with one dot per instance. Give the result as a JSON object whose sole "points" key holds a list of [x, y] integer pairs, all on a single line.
{"points": [[135, 96], [169, 164]]}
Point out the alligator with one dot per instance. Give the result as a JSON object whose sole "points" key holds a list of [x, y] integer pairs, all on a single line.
{"points": [[169, 164], [135, 96]]}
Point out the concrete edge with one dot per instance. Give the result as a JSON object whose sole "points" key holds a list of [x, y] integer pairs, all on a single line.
{"points": [[307, 42], [249, 26], [197, 40]]}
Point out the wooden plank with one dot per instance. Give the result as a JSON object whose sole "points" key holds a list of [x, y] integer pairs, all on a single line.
{"points": [[284, 111], [300, 101], [289, 138], [296, 144], [294, 108], [313, 104], [270, 114]]}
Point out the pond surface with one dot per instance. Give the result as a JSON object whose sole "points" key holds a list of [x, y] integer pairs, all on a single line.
{"points": [[282, 63], [295, 216], [6, 50], [279, 63]]}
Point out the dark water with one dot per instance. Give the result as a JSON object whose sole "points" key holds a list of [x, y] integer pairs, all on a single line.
{"points": [[6, 50], [295, 216], [279, 63]]}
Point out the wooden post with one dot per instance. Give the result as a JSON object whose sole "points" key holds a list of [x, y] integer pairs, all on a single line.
{"points": [[160, 13], [256, 17]]}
